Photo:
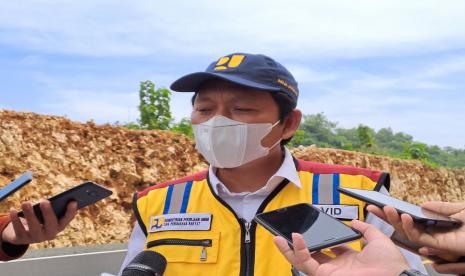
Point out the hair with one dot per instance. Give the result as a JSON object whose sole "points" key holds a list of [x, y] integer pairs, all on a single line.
{"points": [[285, 107]]}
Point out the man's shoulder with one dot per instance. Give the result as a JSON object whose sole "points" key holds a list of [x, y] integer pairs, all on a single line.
{"points": [[324, 168], [194, 177]]}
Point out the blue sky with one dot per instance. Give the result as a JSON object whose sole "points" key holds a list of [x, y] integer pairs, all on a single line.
{"points": [[379, 63]]}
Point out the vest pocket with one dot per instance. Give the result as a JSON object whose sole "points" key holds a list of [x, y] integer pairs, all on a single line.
{"points": [[185, 247]]}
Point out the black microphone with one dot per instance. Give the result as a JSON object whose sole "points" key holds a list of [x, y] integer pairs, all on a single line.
{"points": [[146, 263]]}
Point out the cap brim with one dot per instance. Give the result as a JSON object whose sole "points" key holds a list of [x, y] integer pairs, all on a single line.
{"points": [[193, 82]]}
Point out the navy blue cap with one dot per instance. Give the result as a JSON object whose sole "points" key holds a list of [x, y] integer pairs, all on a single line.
{"points": [[254, 71]]}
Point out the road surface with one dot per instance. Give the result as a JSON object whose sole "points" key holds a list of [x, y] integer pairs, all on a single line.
{"points": [[75, 261]]}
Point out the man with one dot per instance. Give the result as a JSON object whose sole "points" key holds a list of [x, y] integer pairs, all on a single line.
{"points": [[244, 112], [17, 233]]}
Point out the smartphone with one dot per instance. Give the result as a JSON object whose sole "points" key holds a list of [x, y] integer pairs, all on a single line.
{"points": [[413, 247], [419, 214], [18, 183], [319, 230], [84, 194]]}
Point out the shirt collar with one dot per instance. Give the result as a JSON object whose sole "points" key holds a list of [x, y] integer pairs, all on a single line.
{"points": [[286, 171]]}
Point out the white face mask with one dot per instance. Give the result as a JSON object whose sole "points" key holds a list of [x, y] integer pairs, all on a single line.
{"points": [[226, 143]]}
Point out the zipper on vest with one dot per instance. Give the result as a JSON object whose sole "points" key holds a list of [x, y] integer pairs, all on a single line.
{"points": [[248, 232], [203, 243], [249, 250]]}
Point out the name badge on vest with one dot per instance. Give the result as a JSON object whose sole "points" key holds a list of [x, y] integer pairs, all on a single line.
{"points": [[181, 222], [347, 212]]}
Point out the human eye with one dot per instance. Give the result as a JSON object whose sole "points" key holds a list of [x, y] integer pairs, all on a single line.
{"points": [[203, 108], [243, 109]]}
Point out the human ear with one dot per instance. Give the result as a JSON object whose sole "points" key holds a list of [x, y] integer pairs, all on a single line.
{"points": [[291, 123]]}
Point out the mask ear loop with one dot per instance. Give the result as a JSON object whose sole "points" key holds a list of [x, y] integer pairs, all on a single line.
{"points": [[275, 144], [279, 141]]}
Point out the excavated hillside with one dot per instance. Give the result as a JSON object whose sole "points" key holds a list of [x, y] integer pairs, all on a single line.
{"points": [[62, 154]]}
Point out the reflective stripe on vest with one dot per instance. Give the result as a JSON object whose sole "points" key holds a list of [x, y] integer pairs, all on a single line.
{"points": [[325, 189], [177, 198]]}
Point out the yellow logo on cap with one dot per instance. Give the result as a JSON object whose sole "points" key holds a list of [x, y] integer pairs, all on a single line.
{"points": [[229, 62], [288, 86]]}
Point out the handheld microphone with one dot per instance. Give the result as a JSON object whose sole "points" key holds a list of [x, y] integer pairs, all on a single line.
{"points": [[146, 263]]}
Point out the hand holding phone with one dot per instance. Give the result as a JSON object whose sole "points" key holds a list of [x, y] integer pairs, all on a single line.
{"points": [[379, 256], [419, 214], [441, 245], [84, 194], [27, 230], [434, 223], [318, 229]]}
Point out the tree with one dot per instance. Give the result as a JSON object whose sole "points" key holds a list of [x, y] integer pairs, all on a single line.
{"points": [[154, 106], [348, 137], [184, 126], [297, 139], [318, 130], [415, 150], [132, 125], [365, 136]]}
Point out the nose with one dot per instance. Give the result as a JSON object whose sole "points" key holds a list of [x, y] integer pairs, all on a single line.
{"points": [[223, 111]]}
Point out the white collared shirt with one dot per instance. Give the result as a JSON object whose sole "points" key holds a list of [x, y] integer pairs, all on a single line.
{"points": [[246, 204]]}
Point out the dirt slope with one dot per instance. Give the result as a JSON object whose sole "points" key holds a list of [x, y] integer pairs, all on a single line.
{"points": [[62, 153]]}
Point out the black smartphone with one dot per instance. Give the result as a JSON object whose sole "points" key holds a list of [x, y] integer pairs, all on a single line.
{"points": [[84, 194], [419, 214], [18, 183], [413, 247], [318, 229]]}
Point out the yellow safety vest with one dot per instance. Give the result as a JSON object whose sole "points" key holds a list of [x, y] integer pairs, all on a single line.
{"points": [[199, 234]]}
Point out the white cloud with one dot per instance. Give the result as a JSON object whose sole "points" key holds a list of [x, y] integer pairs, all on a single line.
{"points": [[416, 99], [181, 105], [31, 60], [444, 67], [106, 106], [86, 97], [305, 74], [430, 120], [320, 42], [206, 27], [102, 107]]}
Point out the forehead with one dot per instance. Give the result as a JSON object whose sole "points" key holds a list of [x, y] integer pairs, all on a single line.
{"points": [[230, 91]]}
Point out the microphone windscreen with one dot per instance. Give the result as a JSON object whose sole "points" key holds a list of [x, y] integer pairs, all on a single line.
{"points": [[146, 263]]}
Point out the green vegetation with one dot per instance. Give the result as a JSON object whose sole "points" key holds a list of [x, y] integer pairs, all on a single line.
{"points": [[315, 129], [155, 111], [154, 106], [184, 126], [318, 130]]}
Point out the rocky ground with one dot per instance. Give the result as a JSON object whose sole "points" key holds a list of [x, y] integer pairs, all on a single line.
{"points": [[62, 153]]}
